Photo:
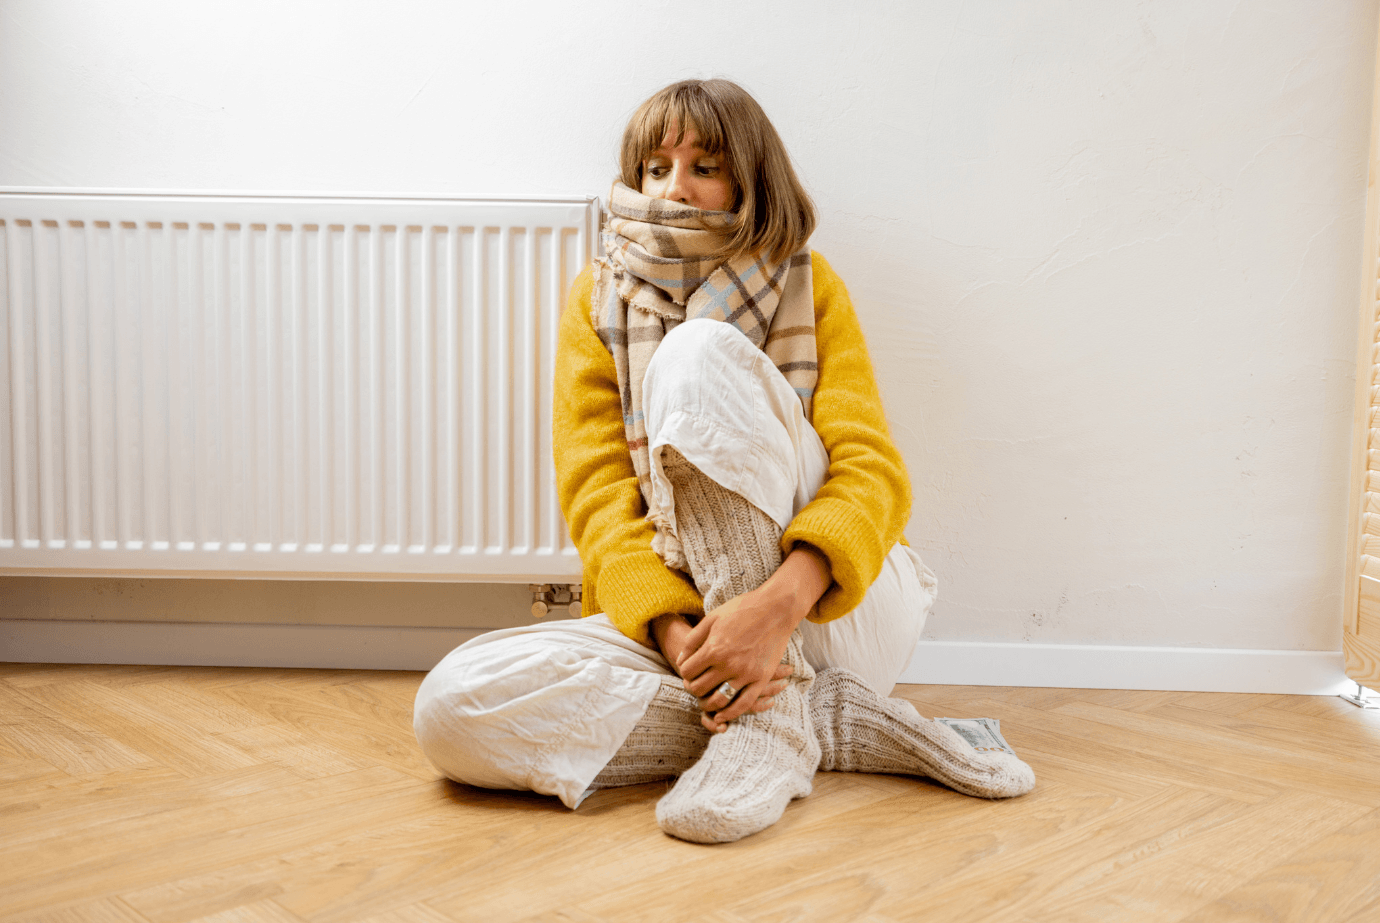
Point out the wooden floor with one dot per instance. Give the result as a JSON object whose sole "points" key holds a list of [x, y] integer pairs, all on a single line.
{"points": [[174, 794]]}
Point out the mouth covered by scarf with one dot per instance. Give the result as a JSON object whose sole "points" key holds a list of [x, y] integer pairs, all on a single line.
{"points": [[662, 267]]}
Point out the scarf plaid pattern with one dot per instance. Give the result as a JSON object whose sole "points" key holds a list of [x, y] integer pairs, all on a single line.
{"points": [[661, 269]]}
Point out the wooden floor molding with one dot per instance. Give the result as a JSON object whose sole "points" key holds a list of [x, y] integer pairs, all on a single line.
{"points": [[1082, 666], [173, 794]]}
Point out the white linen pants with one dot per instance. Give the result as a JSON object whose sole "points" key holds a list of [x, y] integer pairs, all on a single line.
{"points": [[545, 707]]}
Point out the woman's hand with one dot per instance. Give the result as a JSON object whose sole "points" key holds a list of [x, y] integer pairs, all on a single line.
{"points": [[742, 641], [671, 632]]}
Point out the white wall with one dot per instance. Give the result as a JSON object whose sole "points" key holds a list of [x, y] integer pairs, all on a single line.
{"points": [[1106, 253]]}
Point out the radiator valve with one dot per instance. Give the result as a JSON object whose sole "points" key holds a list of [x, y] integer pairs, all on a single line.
{"points": [[548, 596]]}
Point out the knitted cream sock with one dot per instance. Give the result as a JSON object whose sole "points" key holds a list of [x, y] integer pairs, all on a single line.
{"points": [[860, 731], [751, 771], [666, 741], [730, 545]]}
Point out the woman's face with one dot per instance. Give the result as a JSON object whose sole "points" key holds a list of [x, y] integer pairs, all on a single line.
{"points": [[686, 173]]}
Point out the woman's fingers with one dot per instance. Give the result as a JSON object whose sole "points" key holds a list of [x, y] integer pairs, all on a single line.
{"points": [[736, 674], [768, 697], [765, 694], [689, 664], [745, 700], [703, 686], [714, 698], [717, 697]]}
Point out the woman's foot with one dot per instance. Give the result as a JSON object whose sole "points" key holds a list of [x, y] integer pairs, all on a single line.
{"points": [[751, 771], [861, 731]]}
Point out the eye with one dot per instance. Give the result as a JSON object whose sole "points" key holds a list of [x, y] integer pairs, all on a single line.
{"points": [[707, 169], [657, 170]]}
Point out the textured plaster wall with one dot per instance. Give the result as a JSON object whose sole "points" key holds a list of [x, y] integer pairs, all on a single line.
{"points": [[1106, 254]]}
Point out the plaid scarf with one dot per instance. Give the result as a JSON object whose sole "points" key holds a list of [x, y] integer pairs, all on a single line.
{"points": [[661, 268]]}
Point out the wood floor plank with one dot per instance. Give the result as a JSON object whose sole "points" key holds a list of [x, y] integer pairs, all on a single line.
{"points": [[257, 912], [80, 805], [1190, 871], [1285, 730], [175, 743], [1325, 707], [288, 747], [17, 774], [1286, 726], [56, 805], [1056, 765], [203, 709], [387, 693], [1221, 703], [323, 717], [1367, 912], [1331, 879], [71, 747], [9, 752], [201, 837], [25, 675], [1339, 775], [412, 913], [575, 915], [1046, 877], [104, 910], [466, 830], [1128, 699]]}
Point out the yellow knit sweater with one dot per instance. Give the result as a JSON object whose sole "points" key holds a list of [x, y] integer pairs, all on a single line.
{"points": [[854, 519]]}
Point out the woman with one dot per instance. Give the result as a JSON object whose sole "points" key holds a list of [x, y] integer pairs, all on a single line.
{"points": [[728, 477]]}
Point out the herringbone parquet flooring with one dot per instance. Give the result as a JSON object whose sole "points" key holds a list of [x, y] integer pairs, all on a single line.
{"points": [[162, 795]]}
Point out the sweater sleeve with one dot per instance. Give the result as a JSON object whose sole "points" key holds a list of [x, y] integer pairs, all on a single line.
{"points": [[597, 486], [859, 513]]}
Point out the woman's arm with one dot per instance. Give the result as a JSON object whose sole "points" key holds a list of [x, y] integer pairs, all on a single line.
{"points": [[860, 512]]}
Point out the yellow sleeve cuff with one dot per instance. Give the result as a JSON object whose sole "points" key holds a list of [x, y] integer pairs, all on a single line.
{"points": [[851, 543], [636, 588]]}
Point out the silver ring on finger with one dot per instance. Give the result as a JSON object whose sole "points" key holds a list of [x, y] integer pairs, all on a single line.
{"points": [[727, 691]]}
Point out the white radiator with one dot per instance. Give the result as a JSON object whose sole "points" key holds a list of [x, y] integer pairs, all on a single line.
{"points": [[283, 385]]}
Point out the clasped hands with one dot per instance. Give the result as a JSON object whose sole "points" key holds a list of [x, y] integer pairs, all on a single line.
{"points": [[742, 641]]}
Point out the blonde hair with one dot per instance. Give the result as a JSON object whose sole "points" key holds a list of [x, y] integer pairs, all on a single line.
{"points": [[775, 214]]}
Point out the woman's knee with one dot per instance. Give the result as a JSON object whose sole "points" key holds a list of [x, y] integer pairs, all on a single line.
{"points": [[487, 713], [702, 360], [466, 706]]}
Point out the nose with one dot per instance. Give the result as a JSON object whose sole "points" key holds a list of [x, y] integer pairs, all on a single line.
{"points": [[676, 189]]}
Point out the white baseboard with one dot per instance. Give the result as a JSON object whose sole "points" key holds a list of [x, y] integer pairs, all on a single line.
{"points": [[1096, 666], [228, 645], [1076, 666]]}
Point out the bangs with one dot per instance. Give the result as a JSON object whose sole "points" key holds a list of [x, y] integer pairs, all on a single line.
{"points": [[682, 108]]}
